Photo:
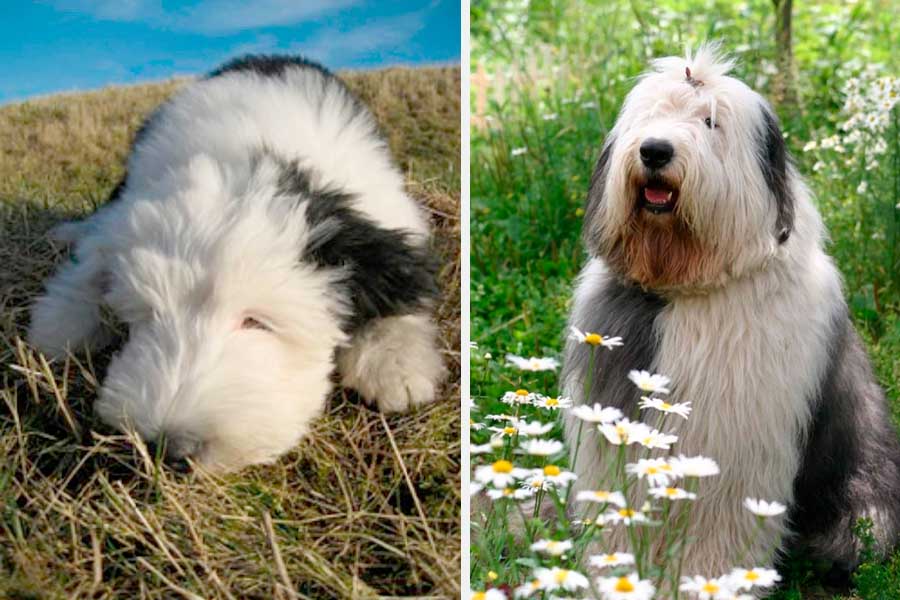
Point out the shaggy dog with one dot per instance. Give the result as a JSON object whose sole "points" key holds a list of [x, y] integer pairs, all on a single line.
{"points": [[706, 257], [261, 237]]}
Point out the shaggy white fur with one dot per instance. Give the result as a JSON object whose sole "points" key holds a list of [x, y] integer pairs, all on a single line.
{"points": [[233, 328], [726, 289]]}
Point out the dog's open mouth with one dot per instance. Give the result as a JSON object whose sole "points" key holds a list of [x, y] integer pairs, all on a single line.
{"points": [[657, 196]]}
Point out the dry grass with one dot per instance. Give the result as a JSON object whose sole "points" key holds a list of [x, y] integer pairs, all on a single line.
{"points": [[366, 506]]}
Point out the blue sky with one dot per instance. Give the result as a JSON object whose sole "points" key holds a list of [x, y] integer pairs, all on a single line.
{"points": [[64, 45]]}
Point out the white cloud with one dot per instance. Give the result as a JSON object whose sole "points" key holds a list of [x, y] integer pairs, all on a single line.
{"points": [[333, 46], [212, 17]]}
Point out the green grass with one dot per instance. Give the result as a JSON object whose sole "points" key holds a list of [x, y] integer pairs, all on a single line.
{"points": [[576, 60], [85, 512]]}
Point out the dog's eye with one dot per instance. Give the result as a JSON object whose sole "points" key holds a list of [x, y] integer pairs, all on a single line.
{"points": [[252, 323], [709, 123]]}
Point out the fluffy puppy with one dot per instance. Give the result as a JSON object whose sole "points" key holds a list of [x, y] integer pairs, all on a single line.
{"points": [[261, 237]]}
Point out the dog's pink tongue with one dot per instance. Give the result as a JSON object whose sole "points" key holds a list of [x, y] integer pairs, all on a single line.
{"points": [[656, 195]]}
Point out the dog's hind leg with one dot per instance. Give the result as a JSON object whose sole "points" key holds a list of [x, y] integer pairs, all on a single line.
{"points": [[394, 362]]}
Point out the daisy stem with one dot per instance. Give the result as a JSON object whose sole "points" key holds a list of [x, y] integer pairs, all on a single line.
{"points": [[691, 486], [588, 383]]}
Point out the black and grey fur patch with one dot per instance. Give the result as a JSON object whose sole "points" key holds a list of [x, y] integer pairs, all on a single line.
{"points": [[774, 164], [595, 195], [268, 65], [614, 308], [387, 271], [851, 460]]}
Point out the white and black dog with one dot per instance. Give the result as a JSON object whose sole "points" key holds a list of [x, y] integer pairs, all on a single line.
{"points": [[261, 237], [707, 258]]}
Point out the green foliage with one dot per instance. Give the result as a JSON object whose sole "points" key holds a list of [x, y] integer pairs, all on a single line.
{"points": [[559, 71]]}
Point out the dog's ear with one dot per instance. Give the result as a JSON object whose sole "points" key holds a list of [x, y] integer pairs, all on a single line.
{"points": [[596, 192], [773, 162]]}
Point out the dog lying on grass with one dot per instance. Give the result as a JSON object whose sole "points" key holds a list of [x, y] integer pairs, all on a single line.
{"points": [[260, 238]]}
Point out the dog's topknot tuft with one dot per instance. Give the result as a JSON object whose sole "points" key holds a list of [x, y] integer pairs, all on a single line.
{"points": [[709, 61]]}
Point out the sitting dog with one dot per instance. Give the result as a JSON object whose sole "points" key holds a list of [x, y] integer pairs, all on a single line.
{"points": [[260, 238], [707, 258]]}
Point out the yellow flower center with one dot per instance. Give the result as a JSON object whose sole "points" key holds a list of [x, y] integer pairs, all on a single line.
{"points": [[552, 402], [551, 470], [535, 584], [521, 392], [593, 339], [509, 430], [751, 576], [552, 545], [610, 558], [710, 588], [479, 596], [671, 491], [601, 495], [645, 385], [537, 483], [626, 512], [561, 576], [652, 470], [503, 466], [492, 575], [665, 406], [624, 585], [507, 491]]}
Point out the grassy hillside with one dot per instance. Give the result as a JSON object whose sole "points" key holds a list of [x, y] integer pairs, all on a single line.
{"points": [[365, 506]]}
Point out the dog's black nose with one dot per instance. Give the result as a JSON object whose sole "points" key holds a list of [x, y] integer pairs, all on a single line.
{"points": [[655, 154]]}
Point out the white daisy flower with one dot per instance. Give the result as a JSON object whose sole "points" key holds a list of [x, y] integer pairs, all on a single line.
{"points": [[518, 397], [650, 383], [500, 474], [534, 428], [556, 578], [602, 497], [511, 493], [656, 440], [757, 577], [508, 430], [480, 449], [528, 589], [543, 447], [552, 547], [501, 418], [682, 409], [707, 589], [629, 587], [627, 516], [657, 471], [624, 431], [694, 466], [762, 508], [672, 493], [552, 403], [476, 426], [536, 482], [474, 488], [597, 413], [614, 559], [594, 339], [534, 363], [491, 594], [518, 151], [555, 475]]}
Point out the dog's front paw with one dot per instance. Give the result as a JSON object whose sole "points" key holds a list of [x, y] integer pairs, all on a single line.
{"points": [[398, 392], [395, 363]]}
